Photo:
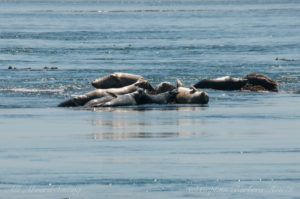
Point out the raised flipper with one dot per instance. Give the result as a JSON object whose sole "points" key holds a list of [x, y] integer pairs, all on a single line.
{"points": [[179, 83], [193, 89]]}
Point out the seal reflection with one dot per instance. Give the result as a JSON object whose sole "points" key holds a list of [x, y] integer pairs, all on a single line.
{"points": [[147, 122]]}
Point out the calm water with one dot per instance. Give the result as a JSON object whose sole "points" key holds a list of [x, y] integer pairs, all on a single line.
{"points": [[241, 145]]}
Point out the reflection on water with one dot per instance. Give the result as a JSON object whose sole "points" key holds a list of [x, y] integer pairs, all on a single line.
{"points": [[245, 117], [132, 135], [229, 146], [147, 107], [147, 122]]}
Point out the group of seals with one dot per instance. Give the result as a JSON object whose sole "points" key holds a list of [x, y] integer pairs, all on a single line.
{"points": [[123, 89], [135, 98], [100, 93]]}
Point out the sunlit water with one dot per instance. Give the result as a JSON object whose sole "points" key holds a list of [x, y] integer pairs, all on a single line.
{"points": [[240, 145]]}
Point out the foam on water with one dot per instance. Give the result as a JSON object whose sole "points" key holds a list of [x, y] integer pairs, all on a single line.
{"points": [[26, 90]]}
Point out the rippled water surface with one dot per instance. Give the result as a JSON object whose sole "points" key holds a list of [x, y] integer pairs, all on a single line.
{"points": [[240, 145]]}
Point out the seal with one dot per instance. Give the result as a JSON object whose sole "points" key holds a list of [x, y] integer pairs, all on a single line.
{"points": [[260, 82], [222, 83], [250, 82], [164, 87], [162, 98], [190, 95], [99, 93], [115, 80], [129, 99]]}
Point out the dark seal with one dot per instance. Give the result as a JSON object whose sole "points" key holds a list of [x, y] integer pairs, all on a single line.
{"points": [[222, 83]]}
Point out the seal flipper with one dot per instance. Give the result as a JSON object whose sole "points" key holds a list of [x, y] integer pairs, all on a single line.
{"points": [[68, 103], [193, 89], [144, 84], [76, 101], [179, 83], [112, 94]]}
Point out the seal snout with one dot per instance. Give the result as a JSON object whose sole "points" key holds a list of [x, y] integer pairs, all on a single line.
{"points": [[204, 96], [94, 83]]}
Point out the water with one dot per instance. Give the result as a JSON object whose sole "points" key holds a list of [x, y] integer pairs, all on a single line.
{"points": [[241, 144]]}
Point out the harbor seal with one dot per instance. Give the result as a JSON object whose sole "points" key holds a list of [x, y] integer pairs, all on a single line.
{"points": [[259, 82], [190, 95], [115, 80], [251, 82], [164, 87], [99, 93], [222, 83]]}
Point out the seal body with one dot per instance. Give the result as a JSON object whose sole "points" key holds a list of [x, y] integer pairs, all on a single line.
{"points": [[190, 95], [164, 87], [259, 82], [99, 93], [162, 98], [115, 80], [222, 83], [98, 101], [251, 82], [129, 99]]}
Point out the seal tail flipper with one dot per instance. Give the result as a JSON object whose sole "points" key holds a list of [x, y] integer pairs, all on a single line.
{"points": [[179, 83], [76, 101], [68, 103]]}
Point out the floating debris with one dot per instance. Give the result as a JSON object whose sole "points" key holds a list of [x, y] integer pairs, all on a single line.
{"points": [[11, 67], [52, 68], [284, 59]]}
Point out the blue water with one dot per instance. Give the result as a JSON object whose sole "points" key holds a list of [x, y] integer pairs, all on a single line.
{"points": [[241, 145]]}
